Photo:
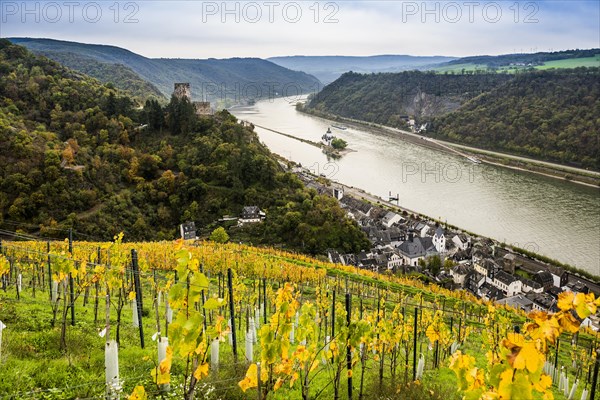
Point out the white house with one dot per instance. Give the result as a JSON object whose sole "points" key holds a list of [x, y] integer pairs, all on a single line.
{"points": [[251, 214], [439, 240], [393, 260], [487, 268], [459, 274], [509, 285], [461, 241], [528, 286], [415, 249], [390, 219]]}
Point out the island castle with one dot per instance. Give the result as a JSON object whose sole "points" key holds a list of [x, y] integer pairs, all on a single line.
{"points": [[183, 90]]}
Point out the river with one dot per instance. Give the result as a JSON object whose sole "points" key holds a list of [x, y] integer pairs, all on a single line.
{"points": [[552, 217]]}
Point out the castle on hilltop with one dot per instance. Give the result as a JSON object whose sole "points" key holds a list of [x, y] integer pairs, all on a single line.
{"points": [[183, 90]]}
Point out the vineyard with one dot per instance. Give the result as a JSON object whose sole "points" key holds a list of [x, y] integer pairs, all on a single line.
{"points": [[228, 321]]}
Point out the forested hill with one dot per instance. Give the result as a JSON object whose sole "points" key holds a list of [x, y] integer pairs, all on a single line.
{"points": [[389, 98], [120, 76], [234, 80], [548, 115], [74, 154]]}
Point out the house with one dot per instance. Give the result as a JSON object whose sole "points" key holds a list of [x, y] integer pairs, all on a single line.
{"points": [[439, 240], [338, 192], [559, 275], [543, 302], [251, 214], [530, 286], [459, 273], [415, 249], [334, 257], [390, 219], [356, 205], [473, 281], [486, 267], [188, 230], [577, 287], [554, 292], [461, 241], [478, 253], [393, 260], [519, 302], [422, 229], [396, 236], [489, 292], [544, 278], [462, 256], [509, 285]]}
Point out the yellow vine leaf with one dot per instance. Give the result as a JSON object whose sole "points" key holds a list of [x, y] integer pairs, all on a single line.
{"points": [[139, 393], [295, 377], [565, 300], [544, 383], [278, 384], [584, 305], [131, 296], [162, 374], [251, 379], [432, 334], [201, 371]]}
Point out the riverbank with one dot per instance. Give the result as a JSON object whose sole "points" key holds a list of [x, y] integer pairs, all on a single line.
{"points": [[526, 256], [518, 163]]}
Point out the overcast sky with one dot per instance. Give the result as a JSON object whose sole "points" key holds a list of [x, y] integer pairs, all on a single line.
{"points": [[203, 29]]}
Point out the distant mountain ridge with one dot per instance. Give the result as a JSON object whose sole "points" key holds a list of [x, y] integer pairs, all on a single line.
{"points": [[329, 68], [119, 75], [228, 81]]}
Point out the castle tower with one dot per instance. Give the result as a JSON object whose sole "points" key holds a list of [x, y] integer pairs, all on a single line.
{"points": [[203, 108], [182, 90]]}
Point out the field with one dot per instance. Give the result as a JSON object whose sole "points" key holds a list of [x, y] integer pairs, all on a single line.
{"points": [[572, 63], [319, 330], [566, 63]]}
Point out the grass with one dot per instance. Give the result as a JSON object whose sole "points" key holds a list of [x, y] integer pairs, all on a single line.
{"points": [[33, 365], [556, 64], [572, 63]]}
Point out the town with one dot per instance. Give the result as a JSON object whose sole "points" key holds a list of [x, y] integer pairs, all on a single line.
{"points": [[407, 243]]}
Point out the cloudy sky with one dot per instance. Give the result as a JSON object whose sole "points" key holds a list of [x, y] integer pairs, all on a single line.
{"points": [[220, 29]]}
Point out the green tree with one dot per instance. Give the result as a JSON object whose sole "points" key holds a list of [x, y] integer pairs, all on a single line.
{"points": [[219, 235], [338, 144]]}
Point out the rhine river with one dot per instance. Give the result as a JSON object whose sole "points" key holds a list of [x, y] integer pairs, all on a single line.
{"points": [[549, 216]]}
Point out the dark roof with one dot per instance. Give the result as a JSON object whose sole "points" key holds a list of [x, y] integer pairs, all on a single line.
{"points": [[531, 283], [250, 212], [505, 278], [544, 300], [461, 269], [418, 247], [554, 291], [356, 204], [489, 265], [544, 278], [491, 292], [395, 233], [334, 256], [439, 231], [518, 302]]}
